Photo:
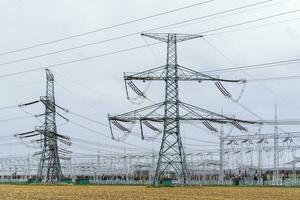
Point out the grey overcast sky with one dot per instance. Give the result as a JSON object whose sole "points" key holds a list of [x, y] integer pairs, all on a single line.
{"points": [[95, 87]]}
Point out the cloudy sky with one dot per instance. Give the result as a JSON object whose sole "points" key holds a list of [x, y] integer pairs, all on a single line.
{"points": [[95, 87]]}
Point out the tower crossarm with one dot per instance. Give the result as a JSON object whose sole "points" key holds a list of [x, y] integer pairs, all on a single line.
{"points": [[158, 73], [184, 74], [152, 113], [193, 113], [177, 37]]}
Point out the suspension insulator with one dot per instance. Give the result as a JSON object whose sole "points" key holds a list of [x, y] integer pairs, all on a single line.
{"points": [[120, 126], [238, 126], [135, 89], [222, 89], [149, 125], [30, 103], [260, 141], [209, 126]]}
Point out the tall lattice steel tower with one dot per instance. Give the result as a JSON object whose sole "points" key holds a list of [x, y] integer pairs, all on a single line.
{"points": [[171, 162], [49, 170]]}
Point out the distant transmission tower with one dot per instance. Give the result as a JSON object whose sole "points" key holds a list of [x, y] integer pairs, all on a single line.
{"points": [[171, 111], [276, 156], [49, 170]]}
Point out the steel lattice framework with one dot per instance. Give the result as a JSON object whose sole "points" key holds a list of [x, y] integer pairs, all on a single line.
{"points": [[172, 110], [49, 169]]}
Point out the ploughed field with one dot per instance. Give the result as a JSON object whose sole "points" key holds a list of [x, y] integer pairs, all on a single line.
{"points": [[32, 192]]}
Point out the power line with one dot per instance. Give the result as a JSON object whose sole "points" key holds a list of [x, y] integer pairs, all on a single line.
{"points": [[105, 145], [238, 103], [251, 21], [8, 107], [279, 78], [106, 126], [235, 13], [134, 48], [89, 119], [74, 61], [10, 144], [90, 129], [254, 27], [100, 94], [91, 149], [132, 34], [18, 118], [198, 140], [102, 134], [105, 28], [101, 123], [255, 66]]}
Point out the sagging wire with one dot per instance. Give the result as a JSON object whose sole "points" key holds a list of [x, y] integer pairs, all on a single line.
{"points": [[229, 132], [25, 135], [21, 106], [288, 141], [8, 107], [150, 49], [63, 124], [140, 93], [259, 129], [219, 84], [33, 115], [64, 139], [227, 94], [200, 127], [121, 127]]}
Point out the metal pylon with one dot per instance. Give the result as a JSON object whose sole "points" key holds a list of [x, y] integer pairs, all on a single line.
{"points": [[171, 154], [171, 159], [49, 170]]}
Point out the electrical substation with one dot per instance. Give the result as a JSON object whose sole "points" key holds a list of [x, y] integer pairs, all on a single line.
{"points": [[149, 142]]}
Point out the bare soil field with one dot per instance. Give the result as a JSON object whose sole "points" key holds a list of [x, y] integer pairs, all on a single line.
{"points": [[31, 192]]}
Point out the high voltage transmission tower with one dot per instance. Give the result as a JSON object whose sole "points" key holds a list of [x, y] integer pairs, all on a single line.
{"points": [[49, 169], [171, 111]]}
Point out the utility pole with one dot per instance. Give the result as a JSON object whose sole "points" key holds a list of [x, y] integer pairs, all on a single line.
{"points": [[171, 160]]}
